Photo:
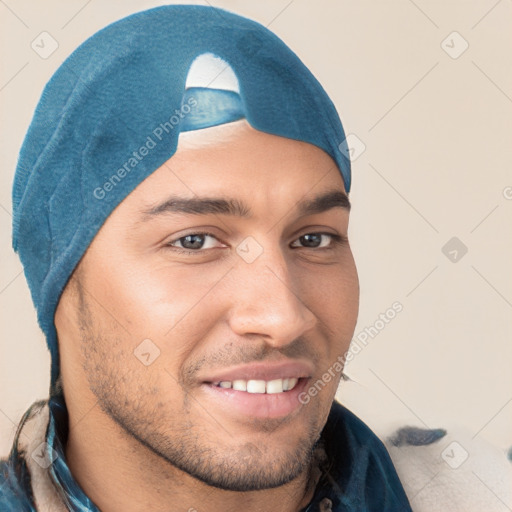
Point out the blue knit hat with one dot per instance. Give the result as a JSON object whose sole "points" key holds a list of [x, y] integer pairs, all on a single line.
{"points": [[112, 113]]}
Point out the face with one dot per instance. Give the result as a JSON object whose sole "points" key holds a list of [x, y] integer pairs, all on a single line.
{"points": [[199, 326]]}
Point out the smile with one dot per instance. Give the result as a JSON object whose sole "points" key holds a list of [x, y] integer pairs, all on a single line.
{"points": [[264, 389]]}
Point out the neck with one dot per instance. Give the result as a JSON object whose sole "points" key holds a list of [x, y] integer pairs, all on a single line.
{"points": [[106, 462]]}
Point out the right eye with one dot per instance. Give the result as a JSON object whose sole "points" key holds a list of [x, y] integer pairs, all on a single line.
{"points": [[192, 243]]}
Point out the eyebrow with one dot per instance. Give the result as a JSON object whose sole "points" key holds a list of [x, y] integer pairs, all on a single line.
{"points": [[234, 207]]}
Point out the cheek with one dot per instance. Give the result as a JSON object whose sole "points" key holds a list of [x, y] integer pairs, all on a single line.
{"points": [[126, 372], [171, 306], [152, 295], [333, 296]]}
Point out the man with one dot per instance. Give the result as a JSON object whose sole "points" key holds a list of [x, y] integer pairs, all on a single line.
{"points": [[181, 211]]}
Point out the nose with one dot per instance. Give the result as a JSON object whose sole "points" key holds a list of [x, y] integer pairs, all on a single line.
{"points": [[267, 301]]}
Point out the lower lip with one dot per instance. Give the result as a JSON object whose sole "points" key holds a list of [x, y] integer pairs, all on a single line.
{"points": [[257, 405]]}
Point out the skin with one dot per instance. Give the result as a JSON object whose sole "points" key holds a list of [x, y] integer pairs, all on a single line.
{"points": [[147, 437]]}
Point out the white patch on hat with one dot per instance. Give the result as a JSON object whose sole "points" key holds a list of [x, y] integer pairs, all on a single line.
{"points": [[208, 70]]}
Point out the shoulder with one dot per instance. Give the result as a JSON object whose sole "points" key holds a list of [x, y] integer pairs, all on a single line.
{"points": [[450, 469], [15, 492], [361, 465], [16, 479]]}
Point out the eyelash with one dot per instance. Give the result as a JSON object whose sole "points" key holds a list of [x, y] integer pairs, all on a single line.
{"points": [[337, 240]]}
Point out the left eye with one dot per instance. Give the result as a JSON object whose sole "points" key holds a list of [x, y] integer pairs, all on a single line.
{"points": [[197, 241], [314, 240]]}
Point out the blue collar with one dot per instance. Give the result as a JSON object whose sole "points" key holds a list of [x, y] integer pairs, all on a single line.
{"points": [[72, 494]]}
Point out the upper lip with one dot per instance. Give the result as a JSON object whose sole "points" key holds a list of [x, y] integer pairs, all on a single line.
{"points": [[262, 371]]}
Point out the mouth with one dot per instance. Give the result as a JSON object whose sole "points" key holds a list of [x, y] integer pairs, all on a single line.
{"points": [[258, 390]]}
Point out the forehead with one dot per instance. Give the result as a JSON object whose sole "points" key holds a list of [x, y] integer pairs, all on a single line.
{"points": [[238, 161]]}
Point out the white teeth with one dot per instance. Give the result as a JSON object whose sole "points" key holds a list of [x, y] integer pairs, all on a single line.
{"points": [[240, 385], [270, 387], [275, 386], [289, 383], [255, 386]]}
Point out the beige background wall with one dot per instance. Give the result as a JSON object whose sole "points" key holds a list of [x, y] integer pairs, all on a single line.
{"points": [[431, 123]]}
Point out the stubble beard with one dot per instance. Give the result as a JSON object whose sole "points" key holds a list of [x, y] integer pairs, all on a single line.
{"points": [[183, 444]]}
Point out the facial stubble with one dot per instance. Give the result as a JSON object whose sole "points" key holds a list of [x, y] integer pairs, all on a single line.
{"points": [[181, 441]]}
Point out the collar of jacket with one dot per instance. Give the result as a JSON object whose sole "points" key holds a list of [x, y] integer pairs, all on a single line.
{"points": [[32, 444]]}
